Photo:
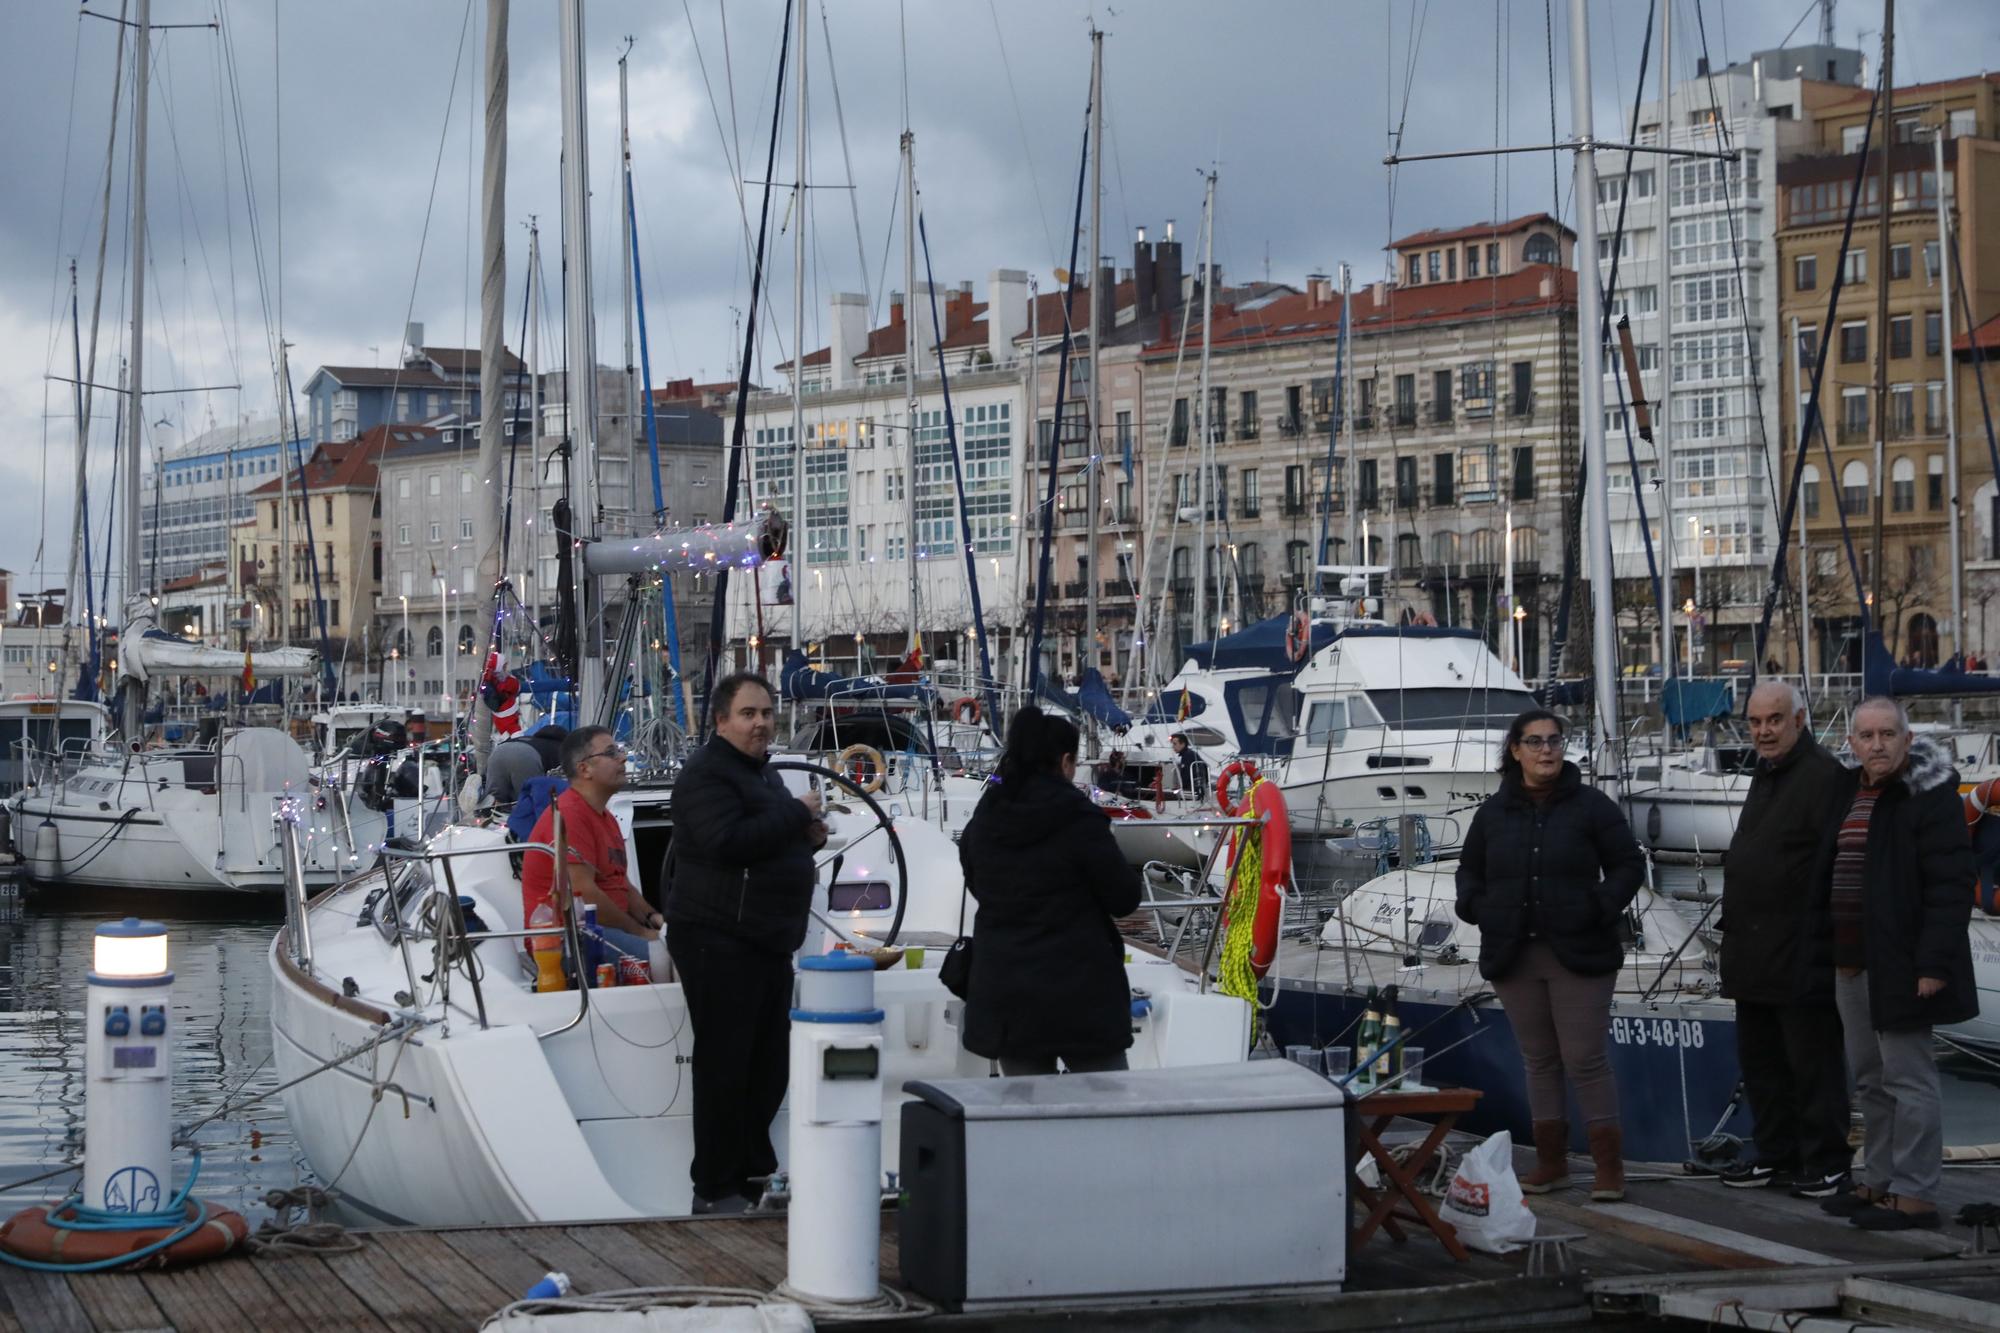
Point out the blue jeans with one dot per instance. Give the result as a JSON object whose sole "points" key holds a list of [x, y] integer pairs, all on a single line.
{"points": [[619, 941]]}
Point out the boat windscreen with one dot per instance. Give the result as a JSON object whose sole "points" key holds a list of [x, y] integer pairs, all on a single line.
{"points": [[1441, 708], [1265, 712]]}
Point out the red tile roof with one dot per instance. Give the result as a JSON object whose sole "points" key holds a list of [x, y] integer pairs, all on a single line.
{"points": [[1477, 229], [1986, 336], [351, 464], [1294, 318]]}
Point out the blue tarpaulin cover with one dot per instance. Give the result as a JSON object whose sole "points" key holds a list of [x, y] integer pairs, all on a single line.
{"points": [[1261, 645], [800, 681], [1689, 703], [1095, 696]]}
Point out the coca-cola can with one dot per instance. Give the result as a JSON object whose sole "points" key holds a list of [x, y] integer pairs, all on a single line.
{"points": [[634, 972], [607, 975]]}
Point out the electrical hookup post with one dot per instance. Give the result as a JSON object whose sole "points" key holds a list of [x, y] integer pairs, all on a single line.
{"points": [[835, 1235], [128, 1068]]}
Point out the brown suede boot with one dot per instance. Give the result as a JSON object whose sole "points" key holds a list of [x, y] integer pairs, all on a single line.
{"points": [[1607, 1150], [1551, 1158]]}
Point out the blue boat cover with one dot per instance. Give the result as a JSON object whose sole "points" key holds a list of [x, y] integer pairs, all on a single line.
{"points": [[1881, 675], [1689, 703], [1174, 706], [1095, 696], [800, 681], [1262, 646]]}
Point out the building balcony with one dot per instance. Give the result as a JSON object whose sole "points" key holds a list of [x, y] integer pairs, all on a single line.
{"points": [[1249, 507], [1852, 432], [1075, 590], [1521, 405], [1289, 425], [1902, 429], [1364, 421], [1441, 414], [1294, 506], [1403, 415], [1247, 430]]}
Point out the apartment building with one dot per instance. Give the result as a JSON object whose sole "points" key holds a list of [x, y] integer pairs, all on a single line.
{"points": [[1463, 406], [427, 384], [193, 497], [1689, 244], [1892, 452]]}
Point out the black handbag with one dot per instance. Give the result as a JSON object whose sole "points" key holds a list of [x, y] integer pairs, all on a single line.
{"points": [[956, 969]]}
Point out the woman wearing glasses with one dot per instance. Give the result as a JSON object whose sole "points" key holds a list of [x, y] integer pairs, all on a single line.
{"points": [[1548, 866]]}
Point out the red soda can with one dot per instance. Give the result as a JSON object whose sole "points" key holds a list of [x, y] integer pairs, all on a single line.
{"points": [[634, 972], [607, 975]]}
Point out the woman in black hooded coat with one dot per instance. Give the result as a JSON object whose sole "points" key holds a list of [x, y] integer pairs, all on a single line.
{"points": [[1048, 967]]}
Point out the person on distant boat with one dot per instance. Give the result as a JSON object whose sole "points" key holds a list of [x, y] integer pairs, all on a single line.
{"points": [[1774, 960], [518, 758], [1048, 970], [1548, 866], [594, 763], [741, 889], [1193, 772], [1894, 883]]}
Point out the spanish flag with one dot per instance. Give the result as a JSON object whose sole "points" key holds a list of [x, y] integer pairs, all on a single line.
{"points": [[1180, 716], [249, 674]]}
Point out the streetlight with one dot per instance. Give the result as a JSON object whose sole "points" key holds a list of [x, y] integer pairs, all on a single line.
{"points": [[1520, 616], [402, 696]]}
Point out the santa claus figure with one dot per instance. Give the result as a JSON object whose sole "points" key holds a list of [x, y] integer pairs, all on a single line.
{"points": [[501, 692]]}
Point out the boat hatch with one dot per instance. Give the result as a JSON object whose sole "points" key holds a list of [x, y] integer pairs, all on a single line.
{"points": [[1438, 928], [872, 895]]}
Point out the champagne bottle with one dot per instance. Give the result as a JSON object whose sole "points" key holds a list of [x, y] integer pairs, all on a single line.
{"points": [[1390, 1062], [1368, 1038]]}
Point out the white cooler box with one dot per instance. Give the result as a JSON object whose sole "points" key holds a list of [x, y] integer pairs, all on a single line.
{"points": [[1196, 1182]]}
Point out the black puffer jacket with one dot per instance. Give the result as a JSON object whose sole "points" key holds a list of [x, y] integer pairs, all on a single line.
{"points": [[1048, 968], [1917, 894], [1560, 871], [742, 861], [1774, 947]]}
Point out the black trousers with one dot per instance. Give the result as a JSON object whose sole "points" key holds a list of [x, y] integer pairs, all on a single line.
{"points": [[739, 1000], [1795, 1075]]}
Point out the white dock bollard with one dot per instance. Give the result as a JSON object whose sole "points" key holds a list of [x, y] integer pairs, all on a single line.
{"points": [[128, 1070], [836, 1132]]}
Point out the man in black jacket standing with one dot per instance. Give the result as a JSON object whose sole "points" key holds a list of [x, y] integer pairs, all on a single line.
{"points": [[1897, 886], [1775, 962], [736, 911]]}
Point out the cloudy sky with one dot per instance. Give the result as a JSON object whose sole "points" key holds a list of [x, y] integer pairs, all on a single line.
{"points": [[322, 160]]}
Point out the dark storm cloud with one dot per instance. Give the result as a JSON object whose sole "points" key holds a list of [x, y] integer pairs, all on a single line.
{"points": [[1294, 103]]}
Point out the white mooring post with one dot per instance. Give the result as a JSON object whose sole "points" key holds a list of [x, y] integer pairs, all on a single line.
{"points": [[128, 1066], [834, 1252]]}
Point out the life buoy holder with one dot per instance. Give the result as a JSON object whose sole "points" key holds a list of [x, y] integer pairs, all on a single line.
{"points": [[38, 1234], [967, 710], [1235, 768], [865, 765], [1273, 841], [1298, 637]]}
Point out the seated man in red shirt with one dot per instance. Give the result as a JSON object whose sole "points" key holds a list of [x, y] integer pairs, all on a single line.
{"points": [[595, 767]]}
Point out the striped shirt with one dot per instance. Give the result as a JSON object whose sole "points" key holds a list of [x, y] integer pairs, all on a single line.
{"points": [[1849, 865]]}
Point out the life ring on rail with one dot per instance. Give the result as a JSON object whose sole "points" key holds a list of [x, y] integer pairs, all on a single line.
{"points": [[38, 1234], [1298, 637], [1269, 847], [967, 710], [864, 764], [1982, 822], [1235, 768]]}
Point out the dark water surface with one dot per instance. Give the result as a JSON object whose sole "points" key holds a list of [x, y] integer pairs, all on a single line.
{"points": [[220, 1020]]}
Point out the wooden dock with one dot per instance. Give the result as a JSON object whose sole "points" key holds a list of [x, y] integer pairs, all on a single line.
{"points": [[1668, 1232]]}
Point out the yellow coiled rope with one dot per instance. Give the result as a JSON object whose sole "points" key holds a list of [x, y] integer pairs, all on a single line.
{"points": [[1234, 975]]}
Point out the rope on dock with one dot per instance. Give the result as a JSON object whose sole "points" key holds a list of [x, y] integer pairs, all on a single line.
{"points": [[888, 1306], [279, 1236]]}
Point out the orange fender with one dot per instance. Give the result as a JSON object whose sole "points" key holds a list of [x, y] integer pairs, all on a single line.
{"points": [[1275, 870]]}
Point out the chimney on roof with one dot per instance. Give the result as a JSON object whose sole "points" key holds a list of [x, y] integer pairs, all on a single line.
{"points": [[1167, 272], [413, 336], [1142, 277], [958, 308], [1319, 290], [927, 333], [1006, 312], [850, 336], [1106, 283], [895, 310], [1378, 292]]}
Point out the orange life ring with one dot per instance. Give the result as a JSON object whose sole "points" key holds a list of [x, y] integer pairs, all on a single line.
{"points": [[1298, 637], [1274, 872], [967, 710], [1981, 800], [1234, 768], [31, 1234]]}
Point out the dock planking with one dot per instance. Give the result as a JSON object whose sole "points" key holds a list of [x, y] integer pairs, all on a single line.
{"points": [[451, 1279]]}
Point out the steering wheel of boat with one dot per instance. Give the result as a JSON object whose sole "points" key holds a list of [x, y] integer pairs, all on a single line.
{"points": [[883, 823]]}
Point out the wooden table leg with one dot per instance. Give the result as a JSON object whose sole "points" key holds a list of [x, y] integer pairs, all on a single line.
{"points": [[1403, 1188], [1406, 1182], [1381, 1204]]}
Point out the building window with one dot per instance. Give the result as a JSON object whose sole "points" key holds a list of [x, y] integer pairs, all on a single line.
{"points": [[1902, 411], [1958, 124], [1476, 380], [1809, 490], [1854, 487], [1406, 400], [437, 531], [1441, 404], [1934, 482], [1854, 342], [1366, 496], [1934, 408], [1903, 486], [1899, 260], [1933, 333], [1451, 264], [1524, 472], [1295, 490], [1444, 471], [1805, 273], [1247, 418], [402, 534], [1524, 387], [1432, 263], [1808, 345], [465, 640], [1857, 266], [1540, 249], [402, 488], [1251, 504], [1853, 416], [465, 529], [1899, 336], [1493, 258], [1471, 261], [1178, 432], [434, 642], [1416, 270]]}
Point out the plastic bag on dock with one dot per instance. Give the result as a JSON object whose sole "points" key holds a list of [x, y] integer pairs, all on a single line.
{"points": [[1484, 1201]]}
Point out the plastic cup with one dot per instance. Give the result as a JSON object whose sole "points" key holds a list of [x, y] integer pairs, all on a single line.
{"points": [[1338, 1060], [913, 957], [1307, 1056], [1413, 1067]]}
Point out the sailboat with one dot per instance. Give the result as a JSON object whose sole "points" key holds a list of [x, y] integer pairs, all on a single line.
{"points": [[407, 982], [225, 815]]}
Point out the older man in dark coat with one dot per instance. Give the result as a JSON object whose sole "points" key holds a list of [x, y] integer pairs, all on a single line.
{"points": [[1775, 964]]}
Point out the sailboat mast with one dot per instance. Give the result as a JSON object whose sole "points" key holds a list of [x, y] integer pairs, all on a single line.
{"points": [[1352, 395], [1590, 342], [628, 428], [1805, 588], [799, 354], [916, 634], [1663, 431], [495, 421], [1955, 627], [531, 572], [1100, 319], [135, 420], [1882, 308], [579, 333], [1202, 414]]}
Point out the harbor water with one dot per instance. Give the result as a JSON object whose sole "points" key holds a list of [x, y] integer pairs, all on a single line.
{"points": [[222, 1048]]}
